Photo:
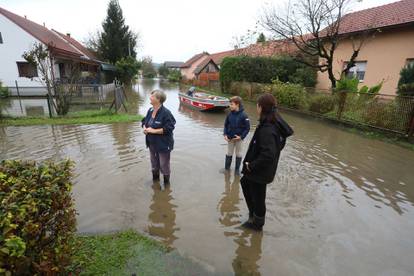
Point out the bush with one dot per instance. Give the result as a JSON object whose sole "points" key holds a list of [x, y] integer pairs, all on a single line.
{"points": [[4, 91], [264, 70], [406, 82], [37, 217], [289, 95], [322, 103], [174, 75], [127, 68]]}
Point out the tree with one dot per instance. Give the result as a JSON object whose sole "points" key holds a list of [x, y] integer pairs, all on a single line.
{"points": [[163, 71], [148, 70], [39, 57], [127, 68], [261, 38], [116, 39], [313, 27], [406, 82]]}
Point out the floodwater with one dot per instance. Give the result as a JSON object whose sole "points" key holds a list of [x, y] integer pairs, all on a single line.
{"points": [[340, 204]]}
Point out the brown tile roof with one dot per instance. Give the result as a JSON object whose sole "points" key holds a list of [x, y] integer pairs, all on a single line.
{"points": [[82, 49], [218, 57], [41, 33], [203, 65], [397, 13], [189, 62]]}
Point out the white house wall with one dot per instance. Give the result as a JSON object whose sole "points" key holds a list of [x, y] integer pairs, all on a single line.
{"points": [[15, 42]]}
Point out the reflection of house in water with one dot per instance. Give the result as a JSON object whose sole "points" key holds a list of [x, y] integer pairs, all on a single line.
{"points": [[25, 107], [162, 215]]}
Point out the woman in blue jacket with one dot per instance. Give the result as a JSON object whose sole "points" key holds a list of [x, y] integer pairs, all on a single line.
{"points": [[158, 126], [236, 128]]}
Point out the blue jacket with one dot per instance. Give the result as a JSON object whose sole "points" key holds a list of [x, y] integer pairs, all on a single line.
{"points": [[165, 120], [237, 123]]}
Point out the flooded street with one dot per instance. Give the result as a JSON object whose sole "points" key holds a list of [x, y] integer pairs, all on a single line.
{"points": [[340, 204]]}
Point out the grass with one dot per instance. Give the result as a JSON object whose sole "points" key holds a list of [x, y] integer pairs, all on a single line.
{"points": [[80, 117], [128, 253]]}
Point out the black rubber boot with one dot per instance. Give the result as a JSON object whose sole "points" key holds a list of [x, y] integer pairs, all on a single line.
{"points": [[166, 180], [237, 168], [256, 224], [155, 175], [249, 221], [228, 162]]}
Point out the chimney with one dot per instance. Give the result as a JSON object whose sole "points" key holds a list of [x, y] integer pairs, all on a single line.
{"points": [[68, 34], [25, 17], [44, 24]]}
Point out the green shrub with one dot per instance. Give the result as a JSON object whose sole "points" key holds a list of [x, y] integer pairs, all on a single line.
{"points": [[4, 91], [322, 103], [347, 85], [37, 217], [127, 69], [406, 89], [289, 95], [407, 74], [264, 70], [174, 76]]}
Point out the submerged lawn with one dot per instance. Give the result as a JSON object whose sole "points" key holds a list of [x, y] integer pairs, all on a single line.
{"points": [[80, 117], [129, 253]]}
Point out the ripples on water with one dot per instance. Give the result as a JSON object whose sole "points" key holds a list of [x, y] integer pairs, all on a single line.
{"points": [[332, 193]]}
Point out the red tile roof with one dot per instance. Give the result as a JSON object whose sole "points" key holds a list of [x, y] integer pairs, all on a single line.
{"points": [[189, 62], [41, 33], [397, 13], [82, 49]]}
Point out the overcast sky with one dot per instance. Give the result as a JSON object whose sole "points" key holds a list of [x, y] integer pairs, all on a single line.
{"points": [[171, 30]]}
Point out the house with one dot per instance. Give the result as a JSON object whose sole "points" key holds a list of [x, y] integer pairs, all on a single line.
{"points": [[188, 68], [19, 34], [173, 64], [387, 49], [208, 66]]}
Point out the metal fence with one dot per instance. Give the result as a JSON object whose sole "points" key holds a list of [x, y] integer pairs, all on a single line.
{"points": [[29, 102], [387, 112]]}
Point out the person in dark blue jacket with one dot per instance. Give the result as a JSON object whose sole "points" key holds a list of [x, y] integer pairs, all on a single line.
{"points": [[158, 126], [236, 128]]}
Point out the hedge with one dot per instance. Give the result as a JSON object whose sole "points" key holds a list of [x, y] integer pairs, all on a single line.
{"points": [[37, 217], [265, 70]]}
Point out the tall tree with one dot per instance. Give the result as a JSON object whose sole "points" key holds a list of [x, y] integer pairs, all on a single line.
{"points": [[313, 26], [116, 40]]}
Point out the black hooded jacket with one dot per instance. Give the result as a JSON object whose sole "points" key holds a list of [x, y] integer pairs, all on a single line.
{"points": [[264, 151]]}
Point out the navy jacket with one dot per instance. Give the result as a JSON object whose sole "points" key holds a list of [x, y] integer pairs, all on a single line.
{"points": [[165, 120], [237, 123]]}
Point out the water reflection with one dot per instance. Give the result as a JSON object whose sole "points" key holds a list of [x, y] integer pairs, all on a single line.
{"points": [[208, 119], [248, 243], [162, 215], [248, 253]]}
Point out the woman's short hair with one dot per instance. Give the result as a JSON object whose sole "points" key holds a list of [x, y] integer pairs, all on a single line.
{"points": [[160, 95], [237, 100]]}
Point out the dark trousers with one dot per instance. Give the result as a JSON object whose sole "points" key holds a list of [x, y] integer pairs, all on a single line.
{"points": [[255, 196], [160, 161]]}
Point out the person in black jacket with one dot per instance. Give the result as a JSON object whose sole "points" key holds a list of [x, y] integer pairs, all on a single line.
{"points": [[261, 160], [236, 128], [158, 126]]}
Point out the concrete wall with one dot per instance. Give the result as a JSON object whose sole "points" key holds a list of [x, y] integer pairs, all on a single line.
{"points": [[385, 55]]}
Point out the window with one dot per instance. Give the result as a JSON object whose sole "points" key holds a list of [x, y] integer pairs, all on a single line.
{"points": [[358, 70], [1, 39], [26, 70]]}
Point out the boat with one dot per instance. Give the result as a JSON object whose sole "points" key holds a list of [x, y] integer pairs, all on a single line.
{"points": [[204, 101]]}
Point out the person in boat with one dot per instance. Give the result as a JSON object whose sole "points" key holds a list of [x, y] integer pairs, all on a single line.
{"points": [[158, 127], [261, 160], [191, 91], [236, 128]]}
